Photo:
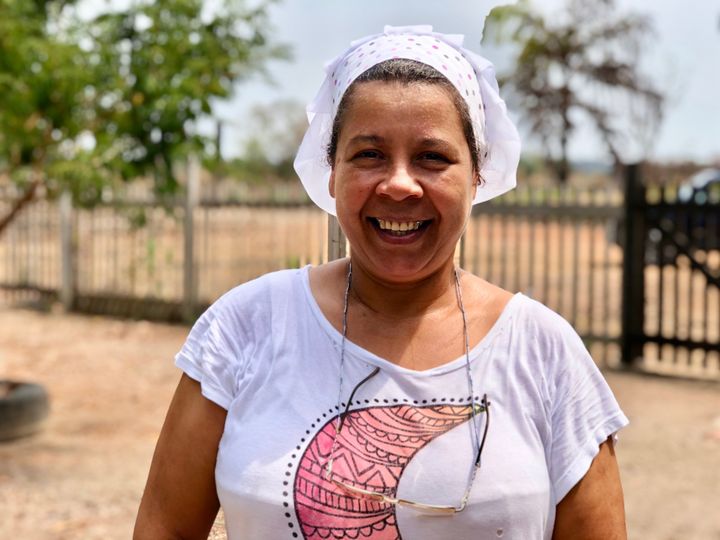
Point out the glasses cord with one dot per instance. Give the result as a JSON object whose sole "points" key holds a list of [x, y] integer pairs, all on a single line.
{"points": [[479, 442], [471, 384], [341, 417]]}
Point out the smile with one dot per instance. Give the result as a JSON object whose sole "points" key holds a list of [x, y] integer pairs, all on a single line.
{"points": [[399, 228]]}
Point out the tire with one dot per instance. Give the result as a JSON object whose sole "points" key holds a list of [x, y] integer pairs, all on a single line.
{"points": [[23, 408]]}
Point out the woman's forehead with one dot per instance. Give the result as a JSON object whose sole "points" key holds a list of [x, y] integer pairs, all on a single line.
{"points": [[381, 106]]}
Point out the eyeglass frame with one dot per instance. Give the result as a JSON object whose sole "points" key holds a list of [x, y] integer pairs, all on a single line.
{"points": [[434, 509]]}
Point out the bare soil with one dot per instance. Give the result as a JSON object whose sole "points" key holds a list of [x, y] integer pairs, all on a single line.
{"points": [[110, 383]]}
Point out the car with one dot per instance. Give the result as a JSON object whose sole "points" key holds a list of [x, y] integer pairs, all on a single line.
{"points": [[701, 188], [682, 224], [690, 223]]}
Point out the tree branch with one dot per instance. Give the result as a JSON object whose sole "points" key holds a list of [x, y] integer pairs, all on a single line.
{"points": [[19, 204]]}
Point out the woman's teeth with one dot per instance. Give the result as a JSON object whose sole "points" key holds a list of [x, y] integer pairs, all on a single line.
{"points": [[399, 226]]}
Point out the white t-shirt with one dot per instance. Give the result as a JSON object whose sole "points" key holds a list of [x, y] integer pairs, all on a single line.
{"points": [[266, 353]]}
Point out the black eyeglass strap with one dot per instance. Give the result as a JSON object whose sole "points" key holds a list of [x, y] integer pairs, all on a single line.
{"points": [[352, 395], [486, 405]]}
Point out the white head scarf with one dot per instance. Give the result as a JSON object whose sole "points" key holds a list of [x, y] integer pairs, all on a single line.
{"points": [[472, 75]]}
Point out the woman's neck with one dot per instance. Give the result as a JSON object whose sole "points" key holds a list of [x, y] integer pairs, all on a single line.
{"points": [[404, 300]]}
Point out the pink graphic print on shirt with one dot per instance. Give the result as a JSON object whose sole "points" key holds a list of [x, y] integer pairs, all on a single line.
{"points": [[373, 447]]}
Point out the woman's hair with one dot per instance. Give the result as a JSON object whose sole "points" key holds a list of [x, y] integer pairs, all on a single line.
{"points": [[406, 72]]}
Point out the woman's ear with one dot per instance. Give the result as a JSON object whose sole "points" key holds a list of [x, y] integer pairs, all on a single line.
{"points": [[331, 183], [477, 182]]}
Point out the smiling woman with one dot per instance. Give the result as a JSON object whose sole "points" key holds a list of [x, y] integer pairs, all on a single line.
{"points": [[403, 178], [348, 400]]}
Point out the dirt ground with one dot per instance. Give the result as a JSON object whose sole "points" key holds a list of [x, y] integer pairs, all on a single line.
{"points": [[110, 382]]}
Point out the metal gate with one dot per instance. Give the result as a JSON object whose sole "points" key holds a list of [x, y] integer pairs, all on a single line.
{"points": [[671, 277]]}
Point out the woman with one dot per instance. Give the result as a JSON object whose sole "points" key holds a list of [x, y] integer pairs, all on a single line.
{"points": [[354, 399]]}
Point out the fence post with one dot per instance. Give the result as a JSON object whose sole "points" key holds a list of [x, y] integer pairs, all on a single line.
{"points": [[462, 253], [192, 192], [67, 252], [633, 275], [336, 240]]}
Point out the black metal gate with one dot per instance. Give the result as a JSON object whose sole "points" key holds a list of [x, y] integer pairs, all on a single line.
{"points": [[671, 276]]}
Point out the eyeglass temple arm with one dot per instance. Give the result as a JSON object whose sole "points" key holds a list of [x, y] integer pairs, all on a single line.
{"points": [[352, 395], [486, 403]]}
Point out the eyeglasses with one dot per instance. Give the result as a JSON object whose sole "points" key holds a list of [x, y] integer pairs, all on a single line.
{"points": [[482, 407]]}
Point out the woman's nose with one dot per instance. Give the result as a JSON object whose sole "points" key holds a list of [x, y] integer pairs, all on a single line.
{"points": [[399, 184]]}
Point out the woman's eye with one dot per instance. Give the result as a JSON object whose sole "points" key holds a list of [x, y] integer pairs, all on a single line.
{"points": [[368, 154], [433, 157]]}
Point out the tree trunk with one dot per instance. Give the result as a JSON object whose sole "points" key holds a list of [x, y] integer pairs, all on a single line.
{"points": [[563, 166], [19, 204]]}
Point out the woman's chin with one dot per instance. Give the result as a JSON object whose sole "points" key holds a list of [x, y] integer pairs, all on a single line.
{"points": [[398, 270]]}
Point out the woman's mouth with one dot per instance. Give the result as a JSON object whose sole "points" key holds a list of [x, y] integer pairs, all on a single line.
{"points": [[399, 228]]}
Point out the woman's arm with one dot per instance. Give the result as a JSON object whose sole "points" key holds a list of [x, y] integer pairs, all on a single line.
{"points": [[180, 500], [594, 508]]}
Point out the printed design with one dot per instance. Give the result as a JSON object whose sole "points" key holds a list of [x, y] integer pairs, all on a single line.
{"points": [[372, 450]]}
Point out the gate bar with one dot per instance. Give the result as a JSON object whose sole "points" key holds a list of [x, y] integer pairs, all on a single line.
{"points": [[633, 276]]}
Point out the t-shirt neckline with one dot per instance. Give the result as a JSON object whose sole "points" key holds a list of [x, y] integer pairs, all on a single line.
{"points": [[354, 350]]}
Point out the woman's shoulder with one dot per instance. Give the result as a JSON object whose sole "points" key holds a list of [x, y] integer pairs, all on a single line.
{"points": [[529, 317], [547, 339], [543, 323], [252, 298], [487, 305], [264, 285], [241, 317]]}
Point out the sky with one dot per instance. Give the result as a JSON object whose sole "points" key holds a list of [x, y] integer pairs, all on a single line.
{"points": [[683, 59]]}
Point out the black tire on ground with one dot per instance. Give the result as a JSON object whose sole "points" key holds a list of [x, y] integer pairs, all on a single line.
{"points": [[23, 407]]}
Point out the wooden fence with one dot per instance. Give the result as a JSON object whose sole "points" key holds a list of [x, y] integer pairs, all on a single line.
{"points": [[129, 259], [564, 247], [140, 260], [557, 246]]}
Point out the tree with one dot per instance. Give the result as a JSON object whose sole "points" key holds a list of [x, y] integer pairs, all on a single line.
{"points": [[582, 62], [42, 77], [275, 131], [170, 60], [117, 96]]}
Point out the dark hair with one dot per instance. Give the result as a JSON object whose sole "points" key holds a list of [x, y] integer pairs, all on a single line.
{"points": [[405, 71]]}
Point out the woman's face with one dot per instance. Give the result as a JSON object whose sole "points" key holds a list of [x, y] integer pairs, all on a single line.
{"points": [[403, 179]]}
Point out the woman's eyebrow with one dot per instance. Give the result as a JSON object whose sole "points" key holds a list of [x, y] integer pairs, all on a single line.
{"points": [[365, 139], [377, 139], [431, 142]]}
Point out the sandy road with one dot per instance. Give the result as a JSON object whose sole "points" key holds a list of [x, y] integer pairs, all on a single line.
{"points": [[110, 382]]}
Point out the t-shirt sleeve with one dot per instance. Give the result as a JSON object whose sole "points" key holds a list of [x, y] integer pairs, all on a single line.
{"points": [[583, 412], [211, 354]]}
